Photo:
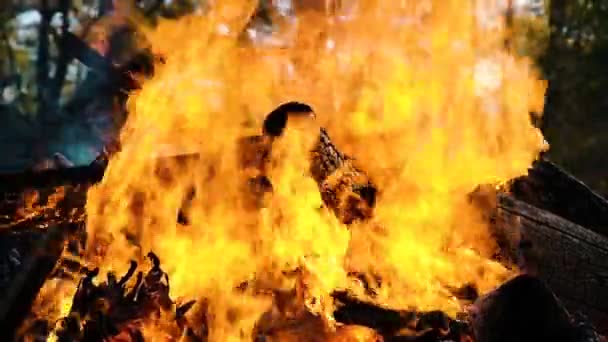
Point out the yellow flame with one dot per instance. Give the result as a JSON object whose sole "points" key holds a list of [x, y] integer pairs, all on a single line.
{"points": [[419, 92]]}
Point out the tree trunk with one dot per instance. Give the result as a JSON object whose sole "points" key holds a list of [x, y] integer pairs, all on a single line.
{"points": [[63, 59]]}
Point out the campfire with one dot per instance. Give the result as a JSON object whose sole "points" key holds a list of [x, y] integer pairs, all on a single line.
{"points": [[232, 212]]}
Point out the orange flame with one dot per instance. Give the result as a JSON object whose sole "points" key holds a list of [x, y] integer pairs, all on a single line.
{"points": [[421, 93]]}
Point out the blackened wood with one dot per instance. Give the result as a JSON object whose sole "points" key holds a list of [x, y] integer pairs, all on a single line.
{"points": [[17, 301], [523, 309], [549, 187], [571, 259], [399, 325]]}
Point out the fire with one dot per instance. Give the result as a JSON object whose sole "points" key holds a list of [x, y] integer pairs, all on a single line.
{"points": [[424, 96]]}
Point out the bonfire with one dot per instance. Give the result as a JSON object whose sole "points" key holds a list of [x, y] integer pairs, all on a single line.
{"points": [[325, 196]]}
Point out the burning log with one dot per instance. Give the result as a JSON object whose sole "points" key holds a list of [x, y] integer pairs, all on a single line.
{"points": [[344, 188], [400, 325]]}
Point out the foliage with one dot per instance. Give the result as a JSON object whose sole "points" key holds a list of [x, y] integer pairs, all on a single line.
{"points": [[576, 112]]}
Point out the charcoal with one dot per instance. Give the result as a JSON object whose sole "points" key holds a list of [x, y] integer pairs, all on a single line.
{"points": [[385, 321], [14, 247]]}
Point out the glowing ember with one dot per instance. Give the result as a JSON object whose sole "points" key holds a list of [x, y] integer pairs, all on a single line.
{"points": [[431, 107]]}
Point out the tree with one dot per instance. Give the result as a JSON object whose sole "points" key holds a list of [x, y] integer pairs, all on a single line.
{"points": [[576, 110]]}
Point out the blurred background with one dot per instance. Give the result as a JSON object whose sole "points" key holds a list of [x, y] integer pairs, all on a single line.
{"points": [[58, 95]]}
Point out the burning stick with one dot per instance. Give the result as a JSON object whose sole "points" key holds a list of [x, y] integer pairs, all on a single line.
{"points": [[345, 188]]}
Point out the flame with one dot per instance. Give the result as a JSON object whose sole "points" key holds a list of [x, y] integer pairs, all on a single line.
{"points": [[422, 94]]}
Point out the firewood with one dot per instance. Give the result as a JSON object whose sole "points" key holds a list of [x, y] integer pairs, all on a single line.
{"points": [[523, 309], [571, 259], [399, 325], [345, 189], [549, 187]]}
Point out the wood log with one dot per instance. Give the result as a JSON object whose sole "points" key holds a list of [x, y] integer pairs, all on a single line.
{"points": [[549, 187], [399, 325], [523, 309], [345, 188], [571, 259], [17, 300]]}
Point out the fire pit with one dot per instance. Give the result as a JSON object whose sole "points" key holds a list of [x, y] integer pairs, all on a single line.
{"points": [[383, 214]]}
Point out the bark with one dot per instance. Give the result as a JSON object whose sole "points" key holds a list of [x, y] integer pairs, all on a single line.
{"points": [[523, 309], [571, 259], [549, 187], [16, 301], [344, 187]]}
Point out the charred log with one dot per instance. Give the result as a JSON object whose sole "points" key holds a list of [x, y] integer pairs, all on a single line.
{"points": [[523, 309], [549, 187], [571, 259], [400, 325], [275, 122]]}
